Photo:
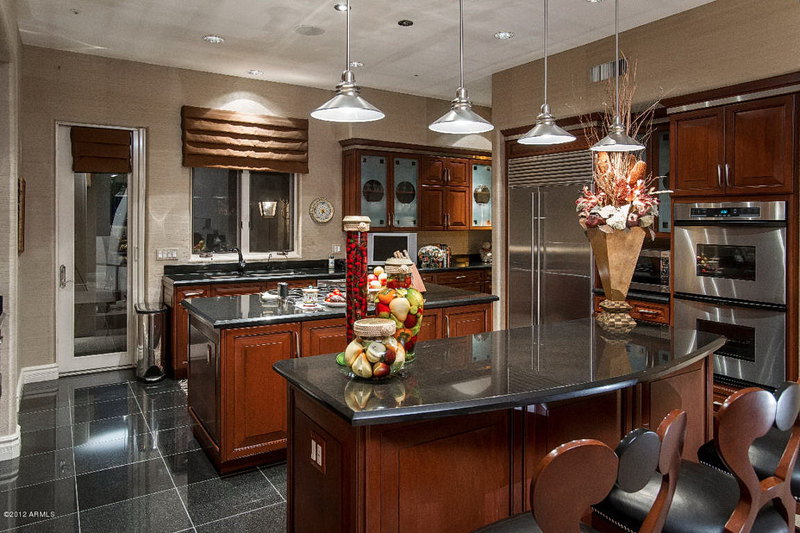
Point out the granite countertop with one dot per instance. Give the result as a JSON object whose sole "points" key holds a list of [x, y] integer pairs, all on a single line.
{"points": [[501, 370], [225, 312]]}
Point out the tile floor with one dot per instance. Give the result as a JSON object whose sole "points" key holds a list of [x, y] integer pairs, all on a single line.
{"points": [[105, 453]]}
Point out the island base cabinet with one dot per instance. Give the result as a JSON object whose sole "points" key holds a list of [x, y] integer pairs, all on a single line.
{"points": [[251, 399], [459, 473]]}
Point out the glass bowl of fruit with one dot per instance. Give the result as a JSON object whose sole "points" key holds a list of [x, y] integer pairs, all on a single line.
{"points": [[374, 354]]}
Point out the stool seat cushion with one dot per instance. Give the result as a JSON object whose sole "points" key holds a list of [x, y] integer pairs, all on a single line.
{"points": [[704, 500], [521, 523], [765, 453]]}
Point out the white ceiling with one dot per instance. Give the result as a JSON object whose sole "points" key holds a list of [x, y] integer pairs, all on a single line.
{"points": [[421, 59]]}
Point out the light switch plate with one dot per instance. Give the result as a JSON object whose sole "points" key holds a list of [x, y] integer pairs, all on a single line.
{"points": [[166, 254]]}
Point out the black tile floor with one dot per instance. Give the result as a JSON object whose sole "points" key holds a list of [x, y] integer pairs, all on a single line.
{"points": [[105, 453]]}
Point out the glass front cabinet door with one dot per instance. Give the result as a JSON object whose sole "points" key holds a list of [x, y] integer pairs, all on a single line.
{"points": [[481, 195], [406, 192], [374, 189]]}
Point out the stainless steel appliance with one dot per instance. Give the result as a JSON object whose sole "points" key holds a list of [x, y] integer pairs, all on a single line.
{"points": [[730, 278], [549, 258], [652, 271]]}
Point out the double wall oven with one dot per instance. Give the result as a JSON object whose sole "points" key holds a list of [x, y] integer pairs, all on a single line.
{"points": [[730, 279]]}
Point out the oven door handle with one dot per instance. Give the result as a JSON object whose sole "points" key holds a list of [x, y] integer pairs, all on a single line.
{"points": [[716, 300]]}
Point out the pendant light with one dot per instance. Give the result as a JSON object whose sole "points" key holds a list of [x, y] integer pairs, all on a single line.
{"points": [[617, 139], [347, 105], [546, 131], [461, 119]]}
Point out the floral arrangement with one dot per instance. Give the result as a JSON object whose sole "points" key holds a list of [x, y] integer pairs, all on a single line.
{"points": [[623, 197]]}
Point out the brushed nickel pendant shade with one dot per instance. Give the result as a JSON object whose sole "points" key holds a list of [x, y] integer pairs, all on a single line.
{"points": [[546, 131], [347, 105], [461, 119], [617, 139]]}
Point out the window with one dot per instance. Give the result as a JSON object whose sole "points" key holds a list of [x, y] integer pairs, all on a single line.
{"points": [[253, 211]]}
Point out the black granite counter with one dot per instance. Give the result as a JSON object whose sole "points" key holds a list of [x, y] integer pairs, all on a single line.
{"points": [[500, 370], [248, 310]]}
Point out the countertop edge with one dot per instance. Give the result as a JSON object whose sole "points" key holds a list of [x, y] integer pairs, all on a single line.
{"points": [[508, 402]]}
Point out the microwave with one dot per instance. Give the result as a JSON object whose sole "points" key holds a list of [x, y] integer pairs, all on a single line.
{"points": [[381, 246], [652, 271]]}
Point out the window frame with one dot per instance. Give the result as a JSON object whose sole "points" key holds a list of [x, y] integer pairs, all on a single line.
{"points": [[243, 206]]}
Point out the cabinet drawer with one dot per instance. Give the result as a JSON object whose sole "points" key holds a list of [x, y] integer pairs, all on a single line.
{"points": [[650, 312], [200, 291], [237, 289], [451, 278], [476, 286], [293, 284]]}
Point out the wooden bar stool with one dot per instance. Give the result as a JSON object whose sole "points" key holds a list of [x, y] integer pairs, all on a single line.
{"points": [[766, 452], [580, 473], [707, 500]]}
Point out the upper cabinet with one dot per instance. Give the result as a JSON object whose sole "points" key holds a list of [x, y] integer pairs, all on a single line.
{"points": [[744, 148], [481, 196], [382, 186], [407, 188]]}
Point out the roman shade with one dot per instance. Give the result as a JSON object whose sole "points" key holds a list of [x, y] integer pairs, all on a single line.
{"points": [[215, 138], [101, 149]]}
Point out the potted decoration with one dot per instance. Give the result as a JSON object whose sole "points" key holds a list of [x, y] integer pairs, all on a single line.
{"points": [[622, 206]]}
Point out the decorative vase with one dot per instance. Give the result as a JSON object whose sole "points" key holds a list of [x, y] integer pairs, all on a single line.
{"points": [[356, 229], [616, 254], [401, 303]]}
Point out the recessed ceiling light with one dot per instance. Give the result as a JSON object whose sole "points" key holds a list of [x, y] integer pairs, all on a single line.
{"points": [[405, 23], [594, 1], [309, 30], [504, 35], [341, 6], [75, 11], [255, 72], [214, 39], [356, 64]]}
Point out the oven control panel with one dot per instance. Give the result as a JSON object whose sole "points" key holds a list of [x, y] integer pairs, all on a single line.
{"points": [[726, 212]]}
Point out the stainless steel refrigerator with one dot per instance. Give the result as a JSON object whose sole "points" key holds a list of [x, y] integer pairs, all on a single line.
{"points": [[549, 258]]}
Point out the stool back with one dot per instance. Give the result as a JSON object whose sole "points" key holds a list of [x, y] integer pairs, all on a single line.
{"points": [[746, 415]]}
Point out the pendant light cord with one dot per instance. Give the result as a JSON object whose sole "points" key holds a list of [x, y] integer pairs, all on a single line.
{"points": [[347, 66], [546, 28], [461, 40], [616, 47]]}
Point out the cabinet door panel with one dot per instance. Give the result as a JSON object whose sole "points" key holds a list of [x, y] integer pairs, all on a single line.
{"points": [[432, 208], [758, 146], [179, 358], [458, 208], [481, 212], [323, 337], [457, 172], [469, 320], [405, 179], [431, 325], [256, 394], [374, 189], [237, 290], [433, 171], [697, 153], [204, 376]]}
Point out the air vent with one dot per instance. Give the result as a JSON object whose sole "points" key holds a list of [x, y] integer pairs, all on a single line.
{"points": [[605, 71]]}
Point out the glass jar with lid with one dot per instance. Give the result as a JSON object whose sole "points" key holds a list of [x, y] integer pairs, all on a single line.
{"points": [[401, 303], [374, 353]]}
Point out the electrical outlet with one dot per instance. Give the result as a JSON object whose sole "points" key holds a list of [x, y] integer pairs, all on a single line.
{"points": [[318, 452], [166, 254], [336, 248]]}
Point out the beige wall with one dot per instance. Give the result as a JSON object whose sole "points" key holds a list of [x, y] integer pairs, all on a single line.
{"points": [[721, 43], [9, 149], [62, 86]]}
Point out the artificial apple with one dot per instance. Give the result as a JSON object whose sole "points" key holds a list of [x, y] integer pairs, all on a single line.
{"points": [[378, 270], [380, 370], [382, 278]]}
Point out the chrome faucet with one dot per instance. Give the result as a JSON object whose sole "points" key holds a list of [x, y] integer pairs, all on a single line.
{"points": [[242, 262]]}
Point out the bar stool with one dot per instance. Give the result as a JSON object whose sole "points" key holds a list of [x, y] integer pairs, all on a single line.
{"points": [[580, 473], [766, 452], [707, 500]]}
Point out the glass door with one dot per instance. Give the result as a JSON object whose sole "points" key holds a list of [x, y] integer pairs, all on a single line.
{"points": [[406, 192], [94, 316], [374, 184]]}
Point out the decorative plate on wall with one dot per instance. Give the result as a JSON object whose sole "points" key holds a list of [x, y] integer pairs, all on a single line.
{"points": [[321, 210]]}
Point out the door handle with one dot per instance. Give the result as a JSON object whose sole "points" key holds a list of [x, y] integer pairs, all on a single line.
{"points": [[447, 175], [446, 326], [296, 343], [62, 277], [208, 355], [192, 294], [719, 175], [727, 175]]}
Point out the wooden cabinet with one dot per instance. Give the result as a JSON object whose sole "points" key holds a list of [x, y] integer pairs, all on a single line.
{"points": [[383, 186], [744, 148], [407, 187], [237, 289], [472, 280], [657, 313], [467, 320], [237, 400], [323, 336], [431, 325]]}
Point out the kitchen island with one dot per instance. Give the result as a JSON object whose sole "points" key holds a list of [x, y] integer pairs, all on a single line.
{"points": [[451, 443], [239, 403]]}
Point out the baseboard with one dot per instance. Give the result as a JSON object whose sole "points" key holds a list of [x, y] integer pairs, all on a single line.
{"points": [[10, 445], [35, 374]]}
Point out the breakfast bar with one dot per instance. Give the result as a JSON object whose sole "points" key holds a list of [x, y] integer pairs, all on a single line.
{"points": [[450, 443]]}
